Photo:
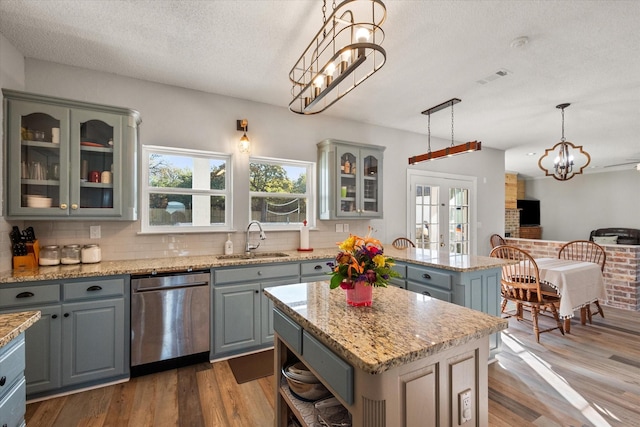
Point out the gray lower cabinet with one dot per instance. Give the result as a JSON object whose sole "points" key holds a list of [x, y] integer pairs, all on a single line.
{"points": [[243, 318], [81, 338], [12, 383]]}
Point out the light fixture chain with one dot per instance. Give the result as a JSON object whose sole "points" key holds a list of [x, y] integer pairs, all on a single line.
{"points": [[562, 126], [452, 124], [324, 17], [429, 132]]}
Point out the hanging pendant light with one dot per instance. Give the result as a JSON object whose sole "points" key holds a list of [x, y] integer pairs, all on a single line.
{"points": [[452, 150], [564, 163], [345, 52]]}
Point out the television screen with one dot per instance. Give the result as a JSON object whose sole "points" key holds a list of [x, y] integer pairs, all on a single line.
{"points": [[529, 212]]}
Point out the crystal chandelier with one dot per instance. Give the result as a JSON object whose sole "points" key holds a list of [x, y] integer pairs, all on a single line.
{"points": [[345, 52], [564, 162]]}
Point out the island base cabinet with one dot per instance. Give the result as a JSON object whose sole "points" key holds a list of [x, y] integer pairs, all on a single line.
{"points": [[422, 393]]}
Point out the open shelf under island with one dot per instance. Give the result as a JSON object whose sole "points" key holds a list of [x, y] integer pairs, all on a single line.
{"points": [[409, 359]]}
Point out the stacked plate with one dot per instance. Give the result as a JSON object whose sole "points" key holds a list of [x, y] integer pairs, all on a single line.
{"points": [[303, 384]]}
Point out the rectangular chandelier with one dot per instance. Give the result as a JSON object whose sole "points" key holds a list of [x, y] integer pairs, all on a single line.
{"points": [[345, 52]]}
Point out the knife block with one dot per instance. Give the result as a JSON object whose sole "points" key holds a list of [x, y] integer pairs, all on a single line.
{"points": [[30, 260]]}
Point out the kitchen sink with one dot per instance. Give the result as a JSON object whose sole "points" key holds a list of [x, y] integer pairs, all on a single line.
{"points": [[254, 255]]}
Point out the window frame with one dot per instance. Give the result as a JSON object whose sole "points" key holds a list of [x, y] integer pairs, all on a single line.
{"points": [[310, 194], [146, 189]]}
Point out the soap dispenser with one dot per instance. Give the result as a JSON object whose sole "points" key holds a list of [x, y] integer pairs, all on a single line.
{"points": [[228, 245]]}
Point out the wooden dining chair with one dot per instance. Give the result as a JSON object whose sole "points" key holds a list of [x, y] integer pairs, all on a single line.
{"points": [[585, 250], [497, 240], [403, 243], [520, 284]]}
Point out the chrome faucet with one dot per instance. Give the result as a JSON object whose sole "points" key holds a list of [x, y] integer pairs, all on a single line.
{"points": [[248, 246]]}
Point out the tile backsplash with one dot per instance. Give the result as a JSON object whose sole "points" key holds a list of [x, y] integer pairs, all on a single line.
{"points": [[121, 240]]}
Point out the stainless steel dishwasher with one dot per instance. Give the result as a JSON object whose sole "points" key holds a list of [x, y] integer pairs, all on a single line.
{"points": [[170, 316]]}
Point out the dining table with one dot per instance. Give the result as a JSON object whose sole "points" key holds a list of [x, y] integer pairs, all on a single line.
{"points": [[579, 283]]}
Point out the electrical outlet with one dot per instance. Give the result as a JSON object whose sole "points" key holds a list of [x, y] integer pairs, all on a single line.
{"points": [[464, 406], [346, 228], [339, 228], [94, 232]]}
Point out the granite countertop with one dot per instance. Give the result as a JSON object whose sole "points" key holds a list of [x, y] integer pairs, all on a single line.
{"points": [[13, 324], [143, 266], [399, 327]]}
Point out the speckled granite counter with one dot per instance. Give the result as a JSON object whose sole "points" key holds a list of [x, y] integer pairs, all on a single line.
{"points": [[398, 328], [13, 324], [141, 266]]}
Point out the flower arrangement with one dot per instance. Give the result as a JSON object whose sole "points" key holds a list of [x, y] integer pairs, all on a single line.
{"points": [[361, 260]]}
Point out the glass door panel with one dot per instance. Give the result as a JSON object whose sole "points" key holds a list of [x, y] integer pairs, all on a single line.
{"points": [[96, 144], [427, 218], [370, 197], [348, 183], [38, 159], [458, 221]]}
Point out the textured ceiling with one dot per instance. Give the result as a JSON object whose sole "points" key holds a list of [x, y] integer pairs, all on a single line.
{"points": [[583, 52]]}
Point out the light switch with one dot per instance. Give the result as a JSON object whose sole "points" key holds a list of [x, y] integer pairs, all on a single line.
{"points": [[346, 228], [464, 406], [339, 228]]}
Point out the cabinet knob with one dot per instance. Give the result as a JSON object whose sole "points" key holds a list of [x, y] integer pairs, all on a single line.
{"points": [[426, 293], [66, 315], [259, 273], [94, 288], [74, 206], [54, 316], [63, 206], [317, 267], [426, 276], [3, 380], [257, 291]]}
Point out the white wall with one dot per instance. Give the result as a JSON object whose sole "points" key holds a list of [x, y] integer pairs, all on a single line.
{"points": [[11, 77], [173, 116], [570, 210]]}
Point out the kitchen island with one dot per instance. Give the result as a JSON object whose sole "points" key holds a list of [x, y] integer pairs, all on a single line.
{"points": [[409, 359], [12, 365]]}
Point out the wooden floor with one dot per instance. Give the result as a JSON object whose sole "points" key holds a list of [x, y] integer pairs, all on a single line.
{"points": [[588, 378]]}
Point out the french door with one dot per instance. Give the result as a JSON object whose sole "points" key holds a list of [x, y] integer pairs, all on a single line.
{"points": [[441, 212]]}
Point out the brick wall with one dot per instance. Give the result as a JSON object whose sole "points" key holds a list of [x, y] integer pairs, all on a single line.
{"points": [[512, 222], [621, 271]]}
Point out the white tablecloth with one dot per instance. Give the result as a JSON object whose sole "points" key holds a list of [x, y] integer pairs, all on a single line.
{"points": [[577, 282]]}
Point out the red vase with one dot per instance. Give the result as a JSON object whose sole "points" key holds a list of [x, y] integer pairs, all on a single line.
{"points": [[360, 295]]}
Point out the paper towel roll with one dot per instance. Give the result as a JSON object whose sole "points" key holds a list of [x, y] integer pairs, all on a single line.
{"points": [[304, 237]]}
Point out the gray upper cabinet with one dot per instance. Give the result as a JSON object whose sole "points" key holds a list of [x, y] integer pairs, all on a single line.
{"points": [[69, 159], [349, 180]]}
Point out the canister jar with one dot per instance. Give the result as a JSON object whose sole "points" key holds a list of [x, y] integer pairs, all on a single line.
{"points": [[49, 255], [70, 254], [91, 254]]}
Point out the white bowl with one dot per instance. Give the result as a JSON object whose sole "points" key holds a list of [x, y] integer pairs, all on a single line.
{"points": [[38, 201]]}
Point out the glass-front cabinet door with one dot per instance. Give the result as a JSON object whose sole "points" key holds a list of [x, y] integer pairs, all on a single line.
{"points": [[96, 142], [37, 160], [65, 161], [350, 180]]}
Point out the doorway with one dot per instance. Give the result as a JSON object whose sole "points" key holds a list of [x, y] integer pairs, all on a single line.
{"points": [[441, 212]]}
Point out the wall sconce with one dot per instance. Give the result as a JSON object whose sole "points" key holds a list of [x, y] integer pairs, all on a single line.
{"points": [[245, 144]]}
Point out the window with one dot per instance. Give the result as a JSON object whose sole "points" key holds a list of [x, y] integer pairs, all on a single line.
{"points": [[185, 190], [281, 192]]}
